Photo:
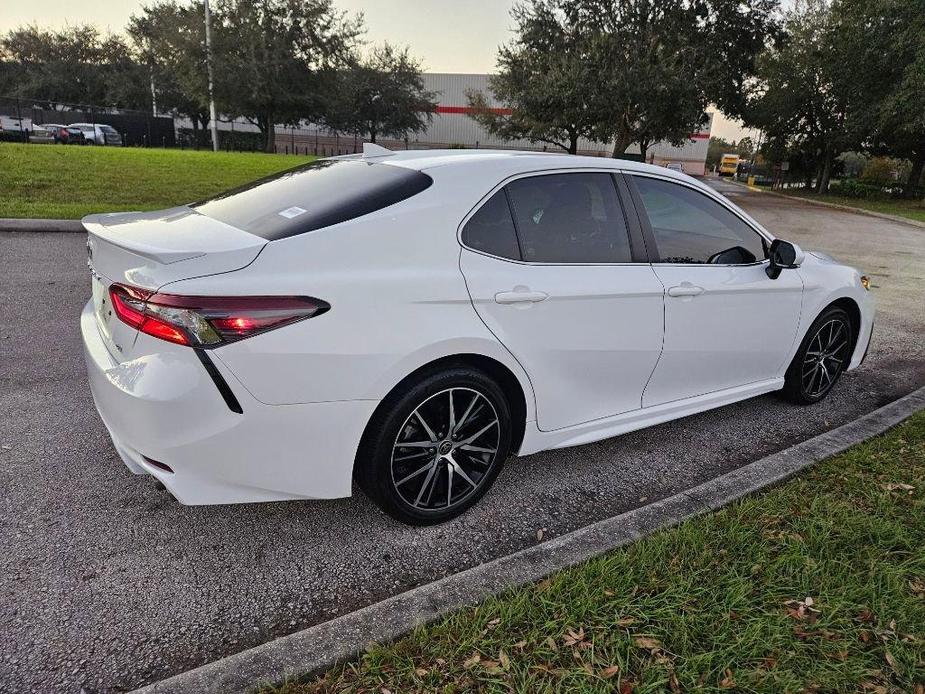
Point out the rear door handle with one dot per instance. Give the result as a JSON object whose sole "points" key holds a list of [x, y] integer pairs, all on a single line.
{"points": [[685, 289], [520, 295]]}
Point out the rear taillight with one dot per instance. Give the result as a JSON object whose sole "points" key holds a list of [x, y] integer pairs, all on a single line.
{"points": [[209, 321]]}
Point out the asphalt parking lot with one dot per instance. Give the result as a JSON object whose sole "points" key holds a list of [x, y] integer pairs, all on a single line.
{"points": [[106, 583]]}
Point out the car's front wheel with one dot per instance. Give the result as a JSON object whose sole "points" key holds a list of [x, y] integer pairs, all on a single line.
{"points": [[821, 359], [435, 447]]}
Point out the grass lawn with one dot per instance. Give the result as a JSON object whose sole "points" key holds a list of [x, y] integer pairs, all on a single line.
{"points": [[60, 182], [911, 209], [814, 586]]}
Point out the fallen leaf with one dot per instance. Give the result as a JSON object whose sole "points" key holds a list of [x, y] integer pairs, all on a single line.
{"points": [[494, 622], [490, 665], [673, 683], [551, 642], [727, 682], [626, 621], [893, 486], [609, 672], [627, 687], [472, 660], [539, 535], [647, 643], [504, 659], [890, 660], [609, 593], [521, 644], [421, 672], [573, 638], [385, 690], [587, 667]]}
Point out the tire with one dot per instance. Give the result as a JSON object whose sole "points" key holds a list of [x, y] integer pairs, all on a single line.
{"points": [[424, 484], [821, 358]]}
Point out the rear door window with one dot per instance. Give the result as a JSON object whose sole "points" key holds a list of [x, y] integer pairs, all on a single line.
{"points": [[570, 218], [313, 196]]}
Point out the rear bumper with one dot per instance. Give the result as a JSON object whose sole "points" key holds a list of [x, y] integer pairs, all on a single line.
{"points": [[165, 407]]}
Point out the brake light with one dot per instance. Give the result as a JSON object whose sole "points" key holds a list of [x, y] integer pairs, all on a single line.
{"points": [[209, 321]]}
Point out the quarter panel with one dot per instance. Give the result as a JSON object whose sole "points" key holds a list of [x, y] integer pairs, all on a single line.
{"points": [[398, 301]]}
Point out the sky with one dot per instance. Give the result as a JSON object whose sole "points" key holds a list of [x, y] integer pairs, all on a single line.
{"points": [[447, 35]]}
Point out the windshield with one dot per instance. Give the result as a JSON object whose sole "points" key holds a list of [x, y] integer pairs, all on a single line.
{"points": [[313, 196]]}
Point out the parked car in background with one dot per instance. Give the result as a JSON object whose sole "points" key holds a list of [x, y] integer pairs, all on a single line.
{"points": [[671, 166], [99, 133], [40, 135], [65, 134], [409, 319]]}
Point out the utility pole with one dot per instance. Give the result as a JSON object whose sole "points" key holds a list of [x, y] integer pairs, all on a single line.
{"points": [[212, 119]]}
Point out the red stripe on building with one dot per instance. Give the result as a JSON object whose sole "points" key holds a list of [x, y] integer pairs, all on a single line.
{"points": [[468, 110]]}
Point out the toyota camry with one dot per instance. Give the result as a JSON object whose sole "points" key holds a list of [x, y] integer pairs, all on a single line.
{"points": [[409, 320]]}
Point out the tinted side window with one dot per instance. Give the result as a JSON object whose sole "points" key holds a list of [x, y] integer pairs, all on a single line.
{"points": [[491, 229], [689, 227], [313, 196], [570, 218]]}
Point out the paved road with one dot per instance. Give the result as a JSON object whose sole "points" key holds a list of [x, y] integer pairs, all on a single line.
{"points": [[107, 583]]}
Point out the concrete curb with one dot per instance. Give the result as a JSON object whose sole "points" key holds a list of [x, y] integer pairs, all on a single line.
{"points": [[320, 647], [43, 225], [836, 206]]}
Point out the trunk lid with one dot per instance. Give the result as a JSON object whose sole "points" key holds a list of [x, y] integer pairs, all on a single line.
{"points": [[150, 249]]}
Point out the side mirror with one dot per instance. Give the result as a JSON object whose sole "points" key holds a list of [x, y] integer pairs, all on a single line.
{"points": [[783, 256]]}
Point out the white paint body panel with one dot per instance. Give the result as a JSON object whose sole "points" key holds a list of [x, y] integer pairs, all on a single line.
{"points": [[589, 347], [737, 331], [593, 360]]}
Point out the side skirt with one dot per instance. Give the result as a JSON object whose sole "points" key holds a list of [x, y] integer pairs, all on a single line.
{"points": [[536, 440]]}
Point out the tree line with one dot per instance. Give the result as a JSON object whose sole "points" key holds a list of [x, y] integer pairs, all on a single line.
{"points": [[274, 62], [819, 79]]}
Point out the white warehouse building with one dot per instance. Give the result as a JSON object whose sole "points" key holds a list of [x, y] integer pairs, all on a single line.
{"points": [[453, 127]]}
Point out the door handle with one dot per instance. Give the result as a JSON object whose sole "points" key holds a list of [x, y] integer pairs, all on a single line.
{"points": [[685, 289], [520, 295]]}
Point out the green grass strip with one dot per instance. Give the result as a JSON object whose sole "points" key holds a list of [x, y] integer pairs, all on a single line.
{"points": [[910, 209], [817, 585], [68, 182]]}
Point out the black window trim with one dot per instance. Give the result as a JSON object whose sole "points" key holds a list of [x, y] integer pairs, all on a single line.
{"points": [[649, 235], [633, 227]]}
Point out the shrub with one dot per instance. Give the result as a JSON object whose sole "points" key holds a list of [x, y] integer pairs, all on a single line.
{"points": [[853, 188]]}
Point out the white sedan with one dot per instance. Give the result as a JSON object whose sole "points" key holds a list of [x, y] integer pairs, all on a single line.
{"points": [[409, 320]]}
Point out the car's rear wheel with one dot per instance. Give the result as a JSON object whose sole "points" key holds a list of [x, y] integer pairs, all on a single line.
{"points": [[821, 359], [435, 447]]}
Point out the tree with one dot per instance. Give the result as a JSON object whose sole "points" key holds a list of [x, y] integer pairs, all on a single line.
{"points": [[76, 65], [170, 40], [621, 71], [382, 94], [883, 54], [745, 148], [275, 60], [804, 96], [545, 80]]}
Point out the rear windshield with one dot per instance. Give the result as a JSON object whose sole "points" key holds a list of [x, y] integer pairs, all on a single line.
{"points": [[317, 195]]}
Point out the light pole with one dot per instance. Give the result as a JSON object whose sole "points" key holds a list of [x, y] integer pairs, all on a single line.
{"points": [[212, 119]]}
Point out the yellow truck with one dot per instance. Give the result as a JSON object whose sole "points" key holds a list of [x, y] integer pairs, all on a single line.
{"points": [[728, 164]]}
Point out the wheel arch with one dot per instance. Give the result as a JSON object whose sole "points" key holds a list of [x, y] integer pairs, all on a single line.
{"points": [[499, 372], [849, 306]]}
